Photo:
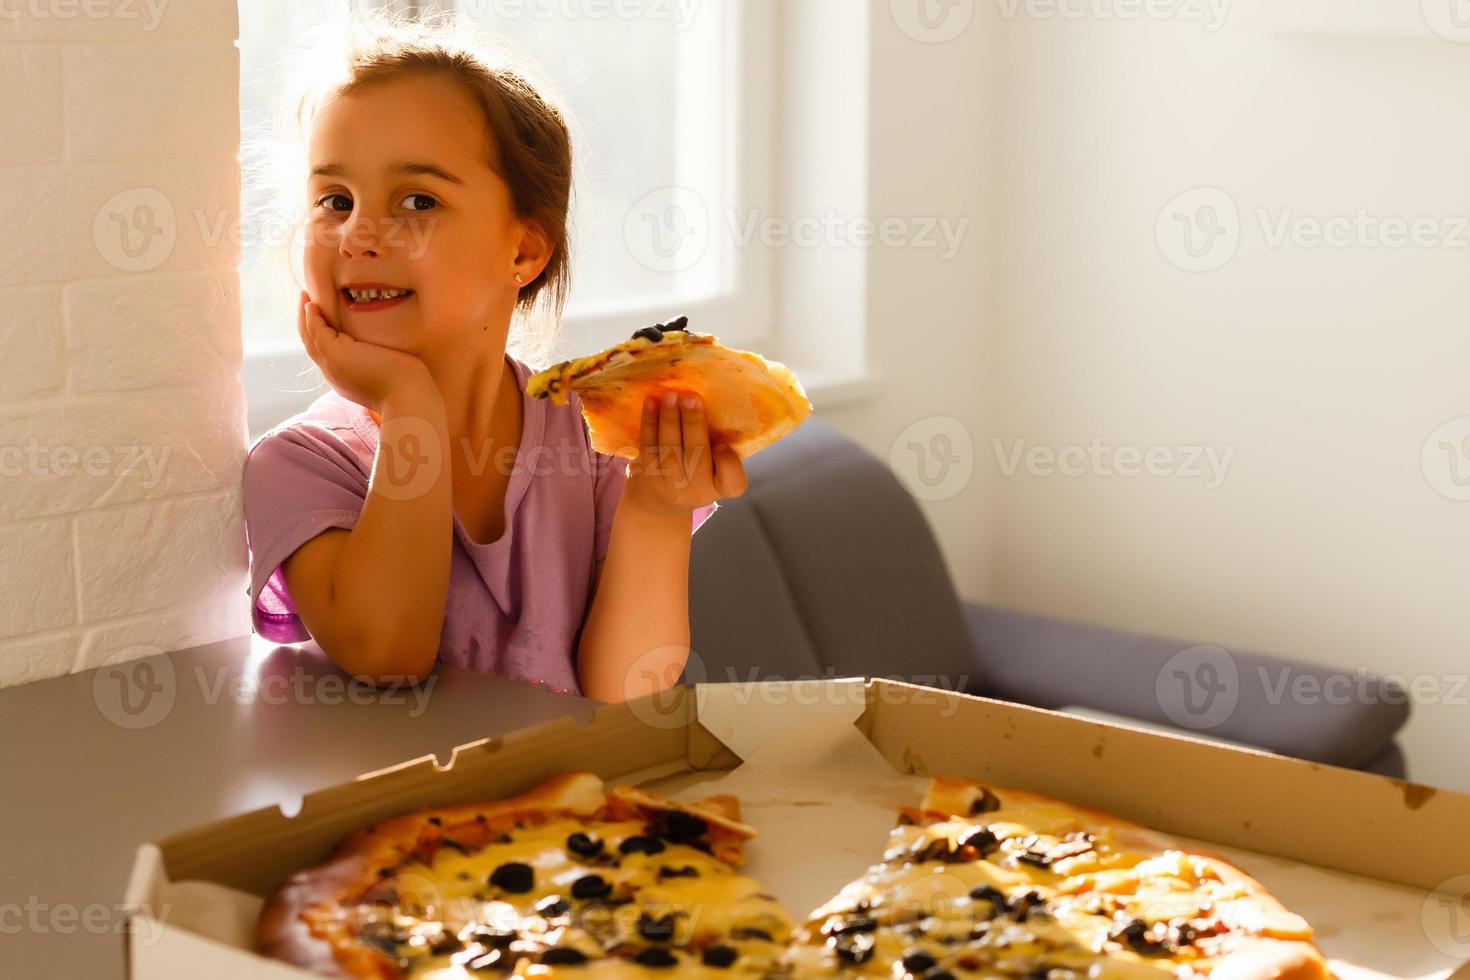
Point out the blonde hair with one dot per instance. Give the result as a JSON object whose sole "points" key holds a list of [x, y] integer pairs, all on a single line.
{"points": [[529, 139]]}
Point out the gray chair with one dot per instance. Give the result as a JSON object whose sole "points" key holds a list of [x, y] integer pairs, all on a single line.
{"points": [[827, 568]]}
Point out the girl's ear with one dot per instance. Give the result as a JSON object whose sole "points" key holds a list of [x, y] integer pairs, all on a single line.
{"points": [[533, 251]]}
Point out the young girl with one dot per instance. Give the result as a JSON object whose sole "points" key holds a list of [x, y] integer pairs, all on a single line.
{"points": [[425, 509]]}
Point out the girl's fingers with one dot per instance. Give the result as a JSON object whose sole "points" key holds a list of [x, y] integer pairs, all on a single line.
{"points": [[320, 336], [328, 338], [670, 441], [326, 324], [312, 334], [648, 430], [730, 479], [301, 322], [695, 435]]}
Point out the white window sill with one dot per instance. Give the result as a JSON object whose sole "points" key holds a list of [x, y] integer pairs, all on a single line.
{"points": [[835, 389]]}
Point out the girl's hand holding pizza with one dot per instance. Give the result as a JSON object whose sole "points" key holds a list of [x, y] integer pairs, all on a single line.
{"points": [[677, 470]]}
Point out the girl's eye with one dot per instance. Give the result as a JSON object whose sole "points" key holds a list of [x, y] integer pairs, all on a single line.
{"points": [[432, 202], [326, 199]]}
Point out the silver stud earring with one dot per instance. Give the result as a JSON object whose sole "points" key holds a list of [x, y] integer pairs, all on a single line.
{"points": [[520, 278]]}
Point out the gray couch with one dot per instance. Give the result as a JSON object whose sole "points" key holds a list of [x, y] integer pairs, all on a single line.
{"points": [[827, 568]]}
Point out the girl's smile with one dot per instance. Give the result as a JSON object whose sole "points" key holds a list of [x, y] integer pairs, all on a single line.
{"points": [[366, 297]]}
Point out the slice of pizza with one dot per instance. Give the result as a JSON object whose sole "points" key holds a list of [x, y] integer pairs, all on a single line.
{"points": [[987, 882], [565, 878], [750, 402]]}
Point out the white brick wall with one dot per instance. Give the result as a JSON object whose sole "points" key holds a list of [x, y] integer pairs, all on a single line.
{"points": [[122, 416]]}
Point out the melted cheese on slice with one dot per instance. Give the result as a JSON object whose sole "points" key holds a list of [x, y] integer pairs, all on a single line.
{"points": [[711, 906], [1087, 888]]}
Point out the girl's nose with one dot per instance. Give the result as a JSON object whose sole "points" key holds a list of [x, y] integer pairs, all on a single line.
{"points": [[362, 236]]}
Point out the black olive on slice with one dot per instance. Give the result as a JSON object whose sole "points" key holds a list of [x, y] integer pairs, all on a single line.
{"points": [[677, 826], [591, 886], [513, 876], [984, 803], [917, 961], [641, 845], [1022, 905], [719, 955], [659, 930], [982, 840], [584, 846], [854, 947], [655, 956], [492, 937], [551, 906]]}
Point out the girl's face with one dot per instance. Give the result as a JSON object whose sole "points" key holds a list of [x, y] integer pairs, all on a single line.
{"points": [[401, 196]]}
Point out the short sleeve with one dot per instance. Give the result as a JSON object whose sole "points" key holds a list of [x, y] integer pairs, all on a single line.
{"points": [[702, 514], [298, 482], [612, 475]]}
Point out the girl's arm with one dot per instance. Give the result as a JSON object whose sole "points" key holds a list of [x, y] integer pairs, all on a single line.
{"points": [[373, 597], [636, 637]]}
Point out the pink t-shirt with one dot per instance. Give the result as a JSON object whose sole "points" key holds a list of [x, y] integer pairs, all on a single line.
{"points": [[515, 606]]}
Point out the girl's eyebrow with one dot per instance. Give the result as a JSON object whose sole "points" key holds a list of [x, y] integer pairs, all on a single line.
{"points": [[406, 167]]}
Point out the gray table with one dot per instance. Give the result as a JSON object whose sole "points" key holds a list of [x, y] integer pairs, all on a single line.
{"points": [[92, 764]]}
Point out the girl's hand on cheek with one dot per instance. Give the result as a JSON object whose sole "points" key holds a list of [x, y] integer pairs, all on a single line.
{"points": [[358, 371], [676, 470]]}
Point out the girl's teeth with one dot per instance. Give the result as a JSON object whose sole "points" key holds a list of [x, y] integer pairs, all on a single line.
{"points": [[368, 295]]}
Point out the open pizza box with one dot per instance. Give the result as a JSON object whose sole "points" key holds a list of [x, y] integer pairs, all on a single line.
{"points": [[1380, 867]]}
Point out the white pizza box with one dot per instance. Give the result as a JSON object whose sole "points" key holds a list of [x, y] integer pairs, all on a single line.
{"points": [[1380, 867]]}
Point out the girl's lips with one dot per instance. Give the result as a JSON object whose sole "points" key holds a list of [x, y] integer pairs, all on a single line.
{"points": [[375, 304]]}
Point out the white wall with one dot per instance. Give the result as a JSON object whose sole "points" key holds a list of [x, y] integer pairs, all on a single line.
{"points": [[932, 162], [1320, 371], [1323, 369], [122, 420]]}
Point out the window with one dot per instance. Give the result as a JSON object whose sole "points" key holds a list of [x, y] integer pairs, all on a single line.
{"points": [[670, 124]]}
